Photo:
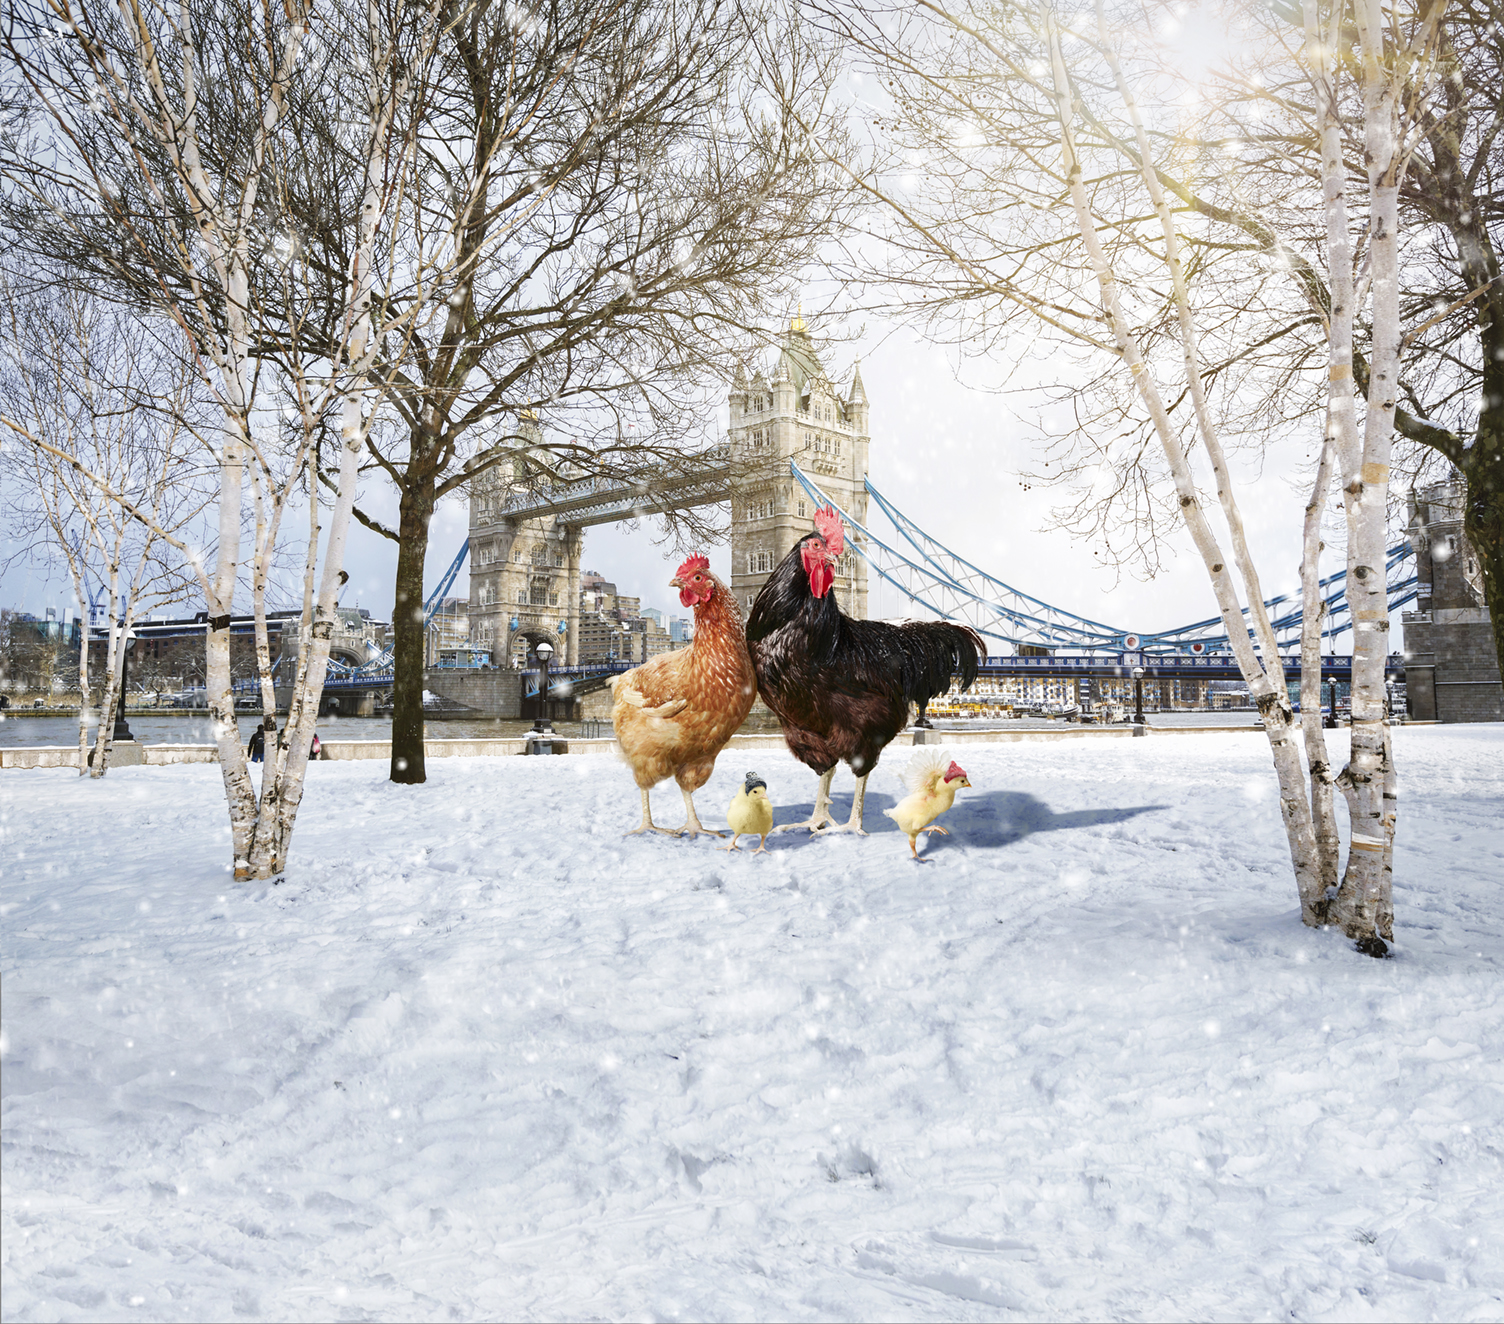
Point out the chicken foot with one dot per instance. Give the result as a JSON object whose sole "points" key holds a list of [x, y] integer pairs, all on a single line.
{"points": [[761, 850], [692, 825], [647, 821], [820, 816]]}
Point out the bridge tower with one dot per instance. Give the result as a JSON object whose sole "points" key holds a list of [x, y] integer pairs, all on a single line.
{"points": [[797, 415], [524, 573]]}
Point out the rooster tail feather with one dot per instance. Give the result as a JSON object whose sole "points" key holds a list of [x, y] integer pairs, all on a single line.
{"points": [[933, 651]]}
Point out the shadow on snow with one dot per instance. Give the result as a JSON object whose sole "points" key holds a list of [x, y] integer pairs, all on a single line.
{"points": [[991, 818]]}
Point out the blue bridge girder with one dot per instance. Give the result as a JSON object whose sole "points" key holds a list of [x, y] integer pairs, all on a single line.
{"points": [[955, 589], [562, 681]]}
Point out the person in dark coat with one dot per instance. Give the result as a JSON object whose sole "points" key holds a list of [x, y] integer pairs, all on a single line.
{"points": [[256, 749]]}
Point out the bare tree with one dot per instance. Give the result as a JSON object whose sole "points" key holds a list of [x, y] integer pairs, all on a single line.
{"points": [[81, 377], [125, 172], [1168, 299], [601, 205]]}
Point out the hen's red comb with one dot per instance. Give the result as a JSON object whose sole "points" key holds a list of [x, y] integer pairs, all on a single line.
{"points": [[828, 526], [691, 564], [955, 770]]}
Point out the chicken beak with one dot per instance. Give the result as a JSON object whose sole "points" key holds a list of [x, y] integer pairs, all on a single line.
{"points": [[676, 582]]}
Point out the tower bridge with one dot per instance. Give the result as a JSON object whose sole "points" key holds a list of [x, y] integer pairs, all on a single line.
{"points": [[527, 538], [795, 443]]}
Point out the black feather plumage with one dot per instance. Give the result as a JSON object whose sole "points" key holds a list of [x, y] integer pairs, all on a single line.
{"points": [[840, 687]]}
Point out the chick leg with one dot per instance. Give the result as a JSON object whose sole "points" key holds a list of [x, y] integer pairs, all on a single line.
{"points": [[762, 848], [647, 820], [854, 823], [820, 817], [692, 825], [733, 845], [913, 841]]}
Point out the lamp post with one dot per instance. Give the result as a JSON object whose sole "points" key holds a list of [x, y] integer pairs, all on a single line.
{"points": [[1138, 696], [1331, 707], [541, 727], [122, 729]]}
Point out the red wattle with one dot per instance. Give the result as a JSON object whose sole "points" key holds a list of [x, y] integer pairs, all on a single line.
{"points": [[821, 577]]}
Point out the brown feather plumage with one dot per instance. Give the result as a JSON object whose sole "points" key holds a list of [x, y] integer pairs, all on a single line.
{"points": [[675, 712]]}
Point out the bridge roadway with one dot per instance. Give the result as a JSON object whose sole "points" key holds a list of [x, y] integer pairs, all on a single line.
{"points": [[1210, 666], [1119, 666], [706, 481]]}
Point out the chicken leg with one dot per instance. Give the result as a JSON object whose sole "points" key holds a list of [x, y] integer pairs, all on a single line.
{"points": [[820, 816], [914, 840], [647, 820], [692, 825], [854, 823]]}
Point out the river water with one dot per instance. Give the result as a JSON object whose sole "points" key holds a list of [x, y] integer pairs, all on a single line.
{"points": [[18, 729]]}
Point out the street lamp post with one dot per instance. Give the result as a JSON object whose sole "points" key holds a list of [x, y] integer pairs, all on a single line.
{"points": [[542, 727], [1331, 713], [122, 729], [1138, 696]]}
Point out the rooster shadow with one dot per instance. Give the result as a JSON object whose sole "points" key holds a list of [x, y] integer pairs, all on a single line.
{"points": [[992, 818]]}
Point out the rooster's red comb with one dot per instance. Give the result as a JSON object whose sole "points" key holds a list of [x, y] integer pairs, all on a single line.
{"points": [[828, 526], [955, 770], [691, 564]]}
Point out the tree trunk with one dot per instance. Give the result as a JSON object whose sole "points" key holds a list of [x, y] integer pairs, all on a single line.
{"points": [[1483, 519], [407, 633], [82, 597], [1263, 672], [1318, 762]]}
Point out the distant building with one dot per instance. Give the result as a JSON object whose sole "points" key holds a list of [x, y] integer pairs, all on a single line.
{"points": [[448, 630], [1451, 664]]}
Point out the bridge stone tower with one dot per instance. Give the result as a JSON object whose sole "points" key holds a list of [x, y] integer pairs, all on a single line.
{"points": [[796, 415], [524, 573], [1451, 666], [525, 564]]}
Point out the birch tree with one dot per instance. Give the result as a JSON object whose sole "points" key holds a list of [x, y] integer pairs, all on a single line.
{"points": [[73, 374], [601, 206], [115, 164], [1055, 200]]}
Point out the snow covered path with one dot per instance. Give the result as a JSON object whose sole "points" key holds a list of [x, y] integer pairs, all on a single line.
{"points": [[483, 1057]]}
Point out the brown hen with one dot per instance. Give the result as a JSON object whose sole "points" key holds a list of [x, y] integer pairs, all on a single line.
{"points": [[675, 712]]}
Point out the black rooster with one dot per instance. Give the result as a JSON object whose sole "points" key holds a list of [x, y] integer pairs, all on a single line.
{"points": [[842, 688]]}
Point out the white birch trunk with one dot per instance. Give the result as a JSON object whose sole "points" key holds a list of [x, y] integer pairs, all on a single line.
{"points": [[1268, 691], [1312, 617], [81, 596], [104, 737], [1362, 896], [283, 780]]}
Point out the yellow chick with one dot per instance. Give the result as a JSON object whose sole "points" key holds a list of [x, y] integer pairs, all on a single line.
{"points": [[751, 812], [932, 786]]}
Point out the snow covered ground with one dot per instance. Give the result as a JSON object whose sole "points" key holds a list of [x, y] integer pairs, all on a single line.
{"points": [[482, 1057]]}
